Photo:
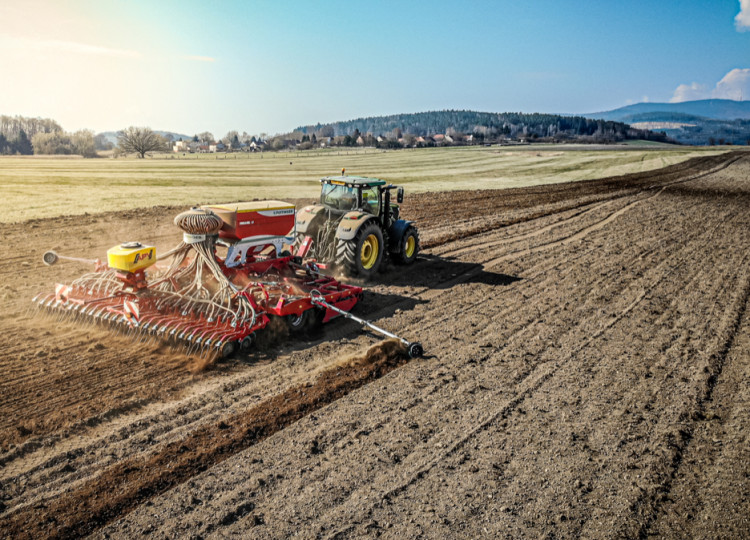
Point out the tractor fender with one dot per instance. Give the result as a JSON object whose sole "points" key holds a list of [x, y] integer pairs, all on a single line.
{"points": [[396, 234], [351, 223], [306, 216]]}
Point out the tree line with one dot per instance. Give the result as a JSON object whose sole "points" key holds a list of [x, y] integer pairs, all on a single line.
{"points": [[21, 135], [26, 136], [486, 125]]}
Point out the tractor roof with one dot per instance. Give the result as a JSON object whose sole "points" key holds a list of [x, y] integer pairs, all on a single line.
{"points": [[353, 180]]}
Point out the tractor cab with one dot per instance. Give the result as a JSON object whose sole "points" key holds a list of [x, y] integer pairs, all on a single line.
{"points": [[342, 194]]}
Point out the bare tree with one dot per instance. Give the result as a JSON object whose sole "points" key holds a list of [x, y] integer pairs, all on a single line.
{"points": [[206, 137], [140, 141]]}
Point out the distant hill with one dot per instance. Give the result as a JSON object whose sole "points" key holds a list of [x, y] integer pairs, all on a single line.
{"points": [[486, 125], [111, 136], [703, 122], [717, 109]]}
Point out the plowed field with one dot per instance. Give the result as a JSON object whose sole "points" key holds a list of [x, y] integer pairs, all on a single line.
{"points": [[587, 375]]}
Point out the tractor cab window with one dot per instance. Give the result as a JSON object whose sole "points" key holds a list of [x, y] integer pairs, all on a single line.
{"points": [[338, 197], [370, 202]]}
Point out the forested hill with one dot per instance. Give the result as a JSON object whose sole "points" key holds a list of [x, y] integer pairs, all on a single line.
{"points": [[718, 109], [482, 123]]}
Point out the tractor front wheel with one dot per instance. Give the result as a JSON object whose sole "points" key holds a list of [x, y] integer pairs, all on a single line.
{"points": [[409, 247], [362, 255]]}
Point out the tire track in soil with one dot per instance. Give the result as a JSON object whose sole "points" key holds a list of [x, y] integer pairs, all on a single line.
{"points": [[451, 284], [576, 216], [367, 430], [120, 488], [715, 461], [618, 187], [650, 506], [568, 238], [529, 384], [630, 307]]}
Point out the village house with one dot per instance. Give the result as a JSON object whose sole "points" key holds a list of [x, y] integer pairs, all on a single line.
{"points": [[180, 146]]}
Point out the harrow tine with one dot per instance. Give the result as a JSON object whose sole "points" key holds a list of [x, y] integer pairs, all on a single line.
{"points": [[143, 333], [143, 330]]}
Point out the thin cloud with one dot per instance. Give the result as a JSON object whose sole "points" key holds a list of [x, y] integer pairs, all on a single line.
{"points": [[196, 58], [689, 92], [83, 48], [734, 85], [742, 20]]}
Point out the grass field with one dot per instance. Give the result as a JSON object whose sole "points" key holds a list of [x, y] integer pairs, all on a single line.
{"points": [[47, 186]]}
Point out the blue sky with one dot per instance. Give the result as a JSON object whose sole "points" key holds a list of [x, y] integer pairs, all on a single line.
{"points": [[269, 66]]}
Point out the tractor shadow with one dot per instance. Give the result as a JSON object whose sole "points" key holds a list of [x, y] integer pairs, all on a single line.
{"points": [[381, 300], [433, 272]]}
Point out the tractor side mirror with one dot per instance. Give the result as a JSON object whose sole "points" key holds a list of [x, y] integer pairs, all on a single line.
{"points": [[400, 195]]}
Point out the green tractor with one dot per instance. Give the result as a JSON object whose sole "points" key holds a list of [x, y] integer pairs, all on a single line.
{"points": [[356, 227]]}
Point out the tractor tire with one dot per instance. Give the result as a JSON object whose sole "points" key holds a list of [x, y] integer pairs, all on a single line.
{"points": [[306, 323], [409, 246], [362, 255]]}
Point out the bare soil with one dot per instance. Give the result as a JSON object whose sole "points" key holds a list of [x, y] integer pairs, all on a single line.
{"points": [[587, 375]]}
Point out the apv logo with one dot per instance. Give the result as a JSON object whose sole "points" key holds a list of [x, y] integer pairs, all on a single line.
{"points": [[142, 256]]}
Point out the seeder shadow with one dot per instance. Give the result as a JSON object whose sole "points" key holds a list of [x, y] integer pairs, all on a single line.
{"points": [[276, 338]]}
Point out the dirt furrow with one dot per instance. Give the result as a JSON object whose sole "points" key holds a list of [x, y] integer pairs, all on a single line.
{"points": [[535, 380], [716, 460], [568, 376], [91, 506], [626, 310]]}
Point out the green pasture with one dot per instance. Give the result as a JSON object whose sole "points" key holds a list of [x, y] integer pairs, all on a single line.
{"points": [[42, 186]]}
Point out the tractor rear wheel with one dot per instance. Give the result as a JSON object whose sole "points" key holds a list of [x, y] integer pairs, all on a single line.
{"points": [[362, 255], [409, 247]]}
